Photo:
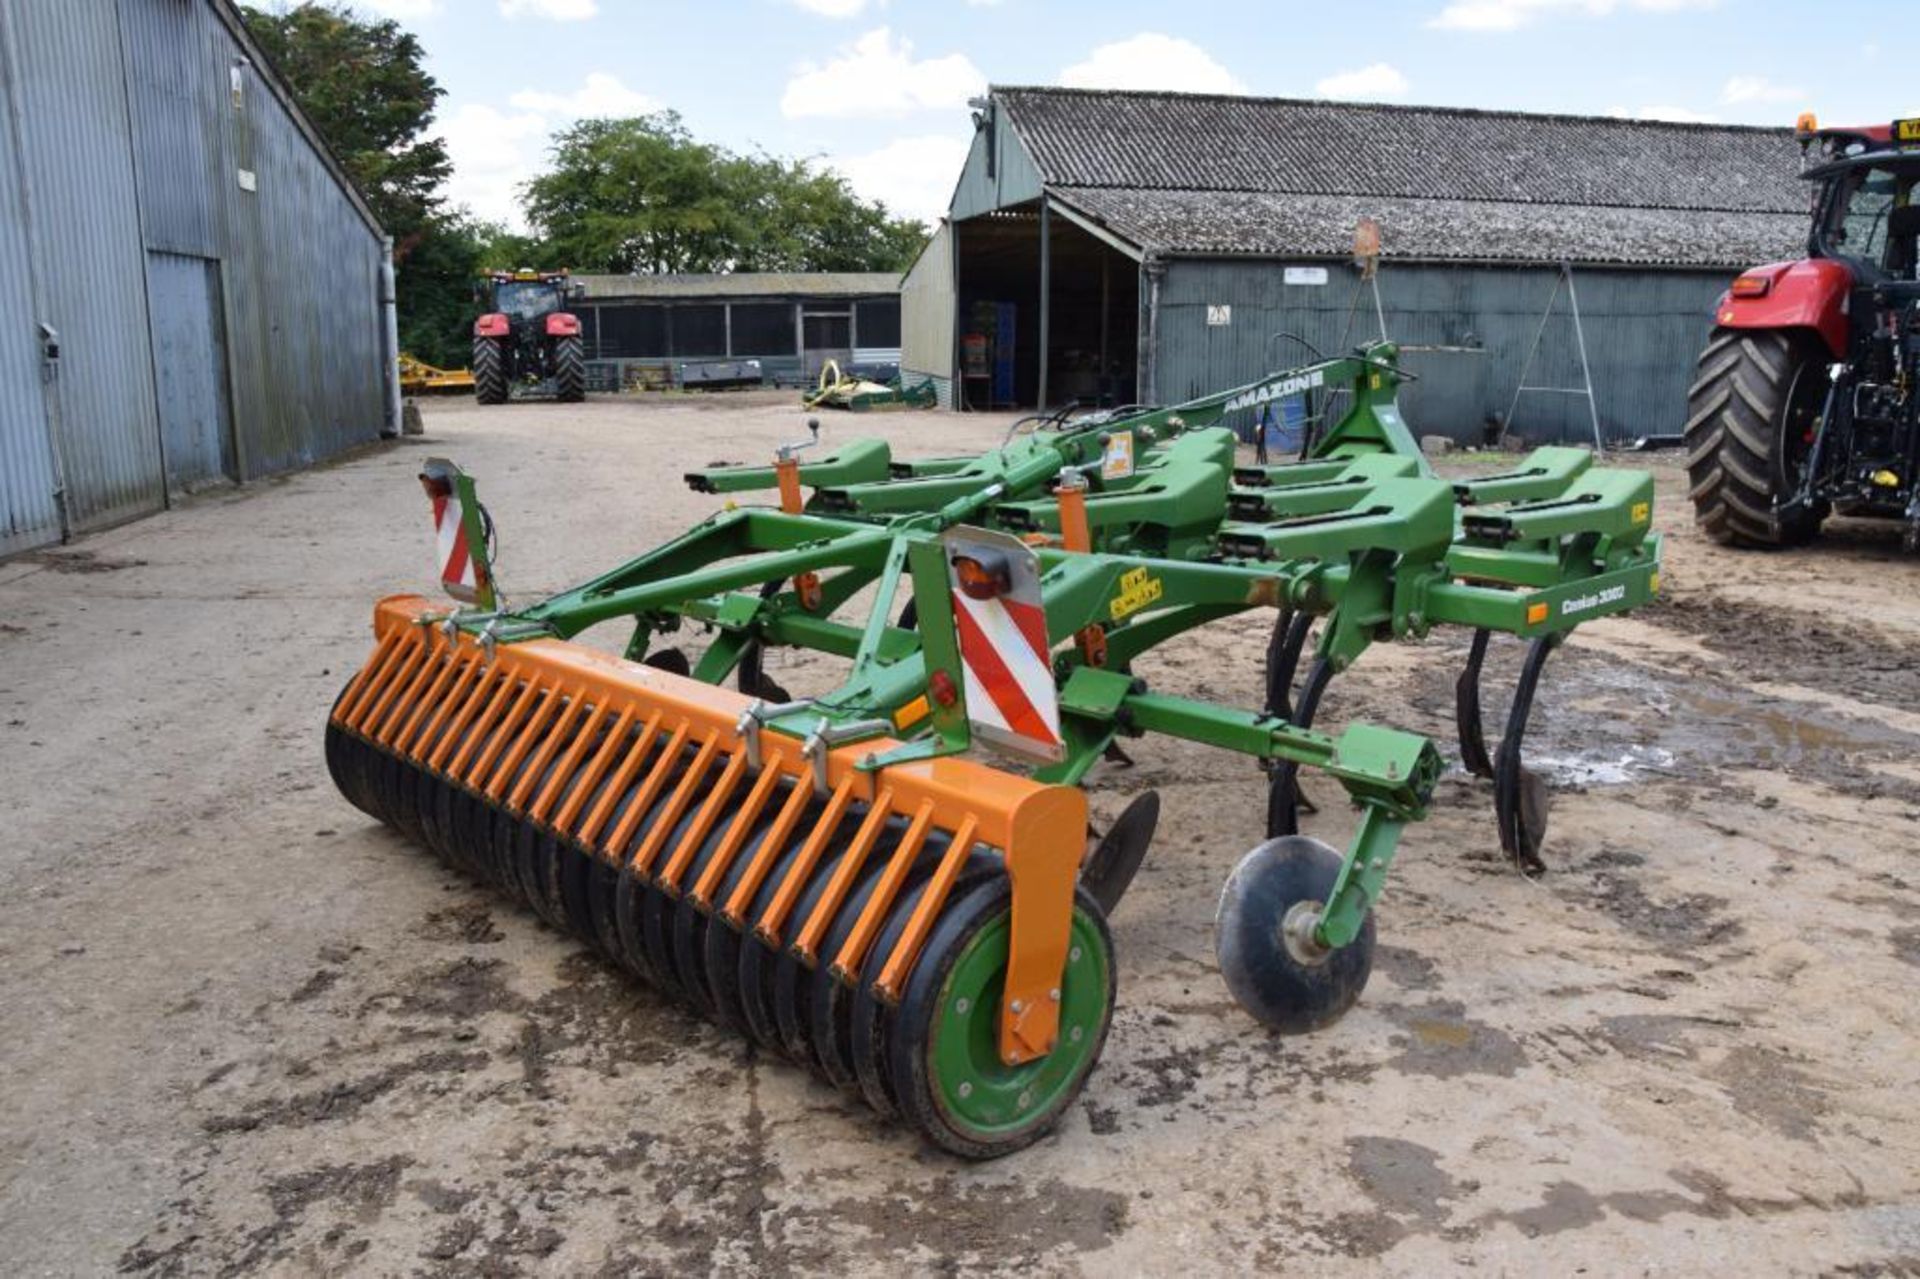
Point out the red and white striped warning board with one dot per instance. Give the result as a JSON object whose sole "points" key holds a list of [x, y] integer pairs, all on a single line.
{"points": [[462, 574], [1006, 661]]}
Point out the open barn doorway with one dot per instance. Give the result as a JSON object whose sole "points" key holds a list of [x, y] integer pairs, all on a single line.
{"points": [[1091, 323]]}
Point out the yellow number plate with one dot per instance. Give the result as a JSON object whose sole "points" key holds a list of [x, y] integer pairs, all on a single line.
{"points": [[1906, 130]]}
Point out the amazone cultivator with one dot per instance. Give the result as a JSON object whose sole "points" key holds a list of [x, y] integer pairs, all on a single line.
{"points": [[894, 883]]}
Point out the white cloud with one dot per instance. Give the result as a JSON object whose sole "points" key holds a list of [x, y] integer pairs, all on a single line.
{"points": [[877, 76], [557, 10], [1673, 115], [1754, 88], [1152, 61], [601, 94], [1511, 15], [400, 10], [833, 8], [493, 152], [912, 176], [1370, 83]]}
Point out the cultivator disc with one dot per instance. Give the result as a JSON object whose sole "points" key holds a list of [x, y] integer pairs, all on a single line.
{"points": [[912, 934]]}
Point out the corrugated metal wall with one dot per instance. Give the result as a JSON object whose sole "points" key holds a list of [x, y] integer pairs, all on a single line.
{"points": [[28, 514], [997, 179], [299, 268], [89, 264], [1644, 329], [927, 308], [141, 130]]}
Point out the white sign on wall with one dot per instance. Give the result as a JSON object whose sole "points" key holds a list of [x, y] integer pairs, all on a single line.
{"points": [[1305, 275], [1219, 316]]}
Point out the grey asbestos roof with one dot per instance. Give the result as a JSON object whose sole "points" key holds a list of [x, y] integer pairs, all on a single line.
{"points": [[662, 288], [1184, 173]]}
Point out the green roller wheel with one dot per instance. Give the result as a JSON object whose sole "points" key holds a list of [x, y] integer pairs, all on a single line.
{"points": [[943, 1045]]}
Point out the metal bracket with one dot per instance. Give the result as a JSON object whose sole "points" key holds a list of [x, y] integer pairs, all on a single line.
{"points": [[754, 718], [824, 738]]}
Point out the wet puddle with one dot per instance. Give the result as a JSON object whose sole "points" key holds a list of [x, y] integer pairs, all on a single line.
{"points": [[1604, 722]]}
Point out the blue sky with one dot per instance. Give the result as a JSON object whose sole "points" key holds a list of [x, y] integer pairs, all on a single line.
{"points": [[878, 88]]}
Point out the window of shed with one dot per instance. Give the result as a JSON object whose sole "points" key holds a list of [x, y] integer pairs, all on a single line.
{"points": [[763, 328], [633, 332], [879, 322], [699, 332]]}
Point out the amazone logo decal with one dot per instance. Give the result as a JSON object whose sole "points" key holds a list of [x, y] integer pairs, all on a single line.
{"points": [[1276, 391]]}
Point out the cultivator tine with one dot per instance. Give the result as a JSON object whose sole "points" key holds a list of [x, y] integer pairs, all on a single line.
{"points": [[1288, 642], [1520, 795], [1284, 799], [1466, 709]]}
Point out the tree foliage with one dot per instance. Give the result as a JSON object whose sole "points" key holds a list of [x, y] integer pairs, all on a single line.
{"points": [[643, 195], [621, 195], [364, 85]]}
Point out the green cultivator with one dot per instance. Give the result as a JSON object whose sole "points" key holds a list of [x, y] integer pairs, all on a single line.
{"points": [[894, 883]]}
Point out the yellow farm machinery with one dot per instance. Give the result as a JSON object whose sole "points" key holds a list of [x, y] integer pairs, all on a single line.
{"points": [[894, 883]]}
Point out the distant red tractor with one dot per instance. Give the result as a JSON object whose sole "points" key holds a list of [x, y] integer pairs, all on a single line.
{"points": [[1807, 401], [527, 339]]}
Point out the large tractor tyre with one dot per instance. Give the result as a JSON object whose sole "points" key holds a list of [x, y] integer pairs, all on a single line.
{"points": [[569, 370], [1751, 415], [489, 371]]}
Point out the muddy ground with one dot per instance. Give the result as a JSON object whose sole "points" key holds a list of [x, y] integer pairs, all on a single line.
{"points": [[246, 1029]]}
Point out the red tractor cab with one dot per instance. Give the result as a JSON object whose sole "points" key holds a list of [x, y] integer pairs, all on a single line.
{"points": [[526, 339], [1806, 401]]}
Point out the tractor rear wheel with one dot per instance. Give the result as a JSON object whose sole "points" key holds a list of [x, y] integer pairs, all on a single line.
{"points": [[1751, 415], [570, 369], [489, 371]]}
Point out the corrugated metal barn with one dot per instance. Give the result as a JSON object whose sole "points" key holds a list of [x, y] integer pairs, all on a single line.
{"points": [[192, 290], [1113, 247], [644, 326]]}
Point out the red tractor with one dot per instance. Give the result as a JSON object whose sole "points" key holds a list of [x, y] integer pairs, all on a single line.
{"points": [[527, 339], [1808, 396]]}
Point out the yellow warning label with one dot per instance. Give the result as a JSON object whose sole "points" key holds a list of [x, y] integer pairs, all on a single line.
{"points": [[1640, 512], [1137, 590]]}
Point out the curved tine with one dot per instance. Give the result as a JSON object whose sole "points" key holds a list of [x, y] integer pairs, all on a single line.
{"points": [[1283, 786], [1466, 710], [1277, 695], [1282, 665], [1519, 837]]}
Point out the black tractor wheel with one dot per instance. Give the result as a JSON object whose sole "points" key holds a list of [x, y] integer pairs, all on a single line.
{"points": [[489, 371], [570, 369], [1751, 415]]}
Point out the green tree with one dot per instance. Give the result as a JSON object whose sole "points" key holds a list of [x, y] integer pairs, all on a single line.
{"points": [[645, 195], [365, 86]]}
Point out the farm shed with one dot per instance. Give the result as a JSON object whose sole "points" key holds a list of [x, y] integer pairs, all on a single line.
{"points": [[645, 326], [1114, 246], [194, 288]]}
